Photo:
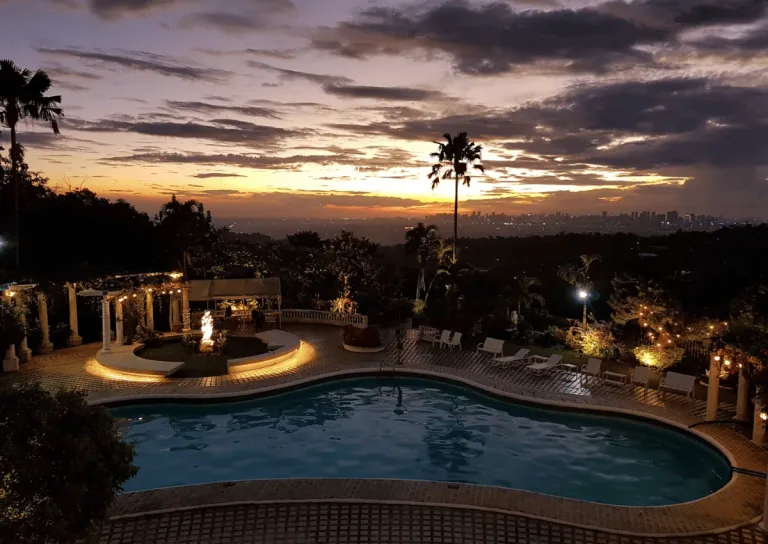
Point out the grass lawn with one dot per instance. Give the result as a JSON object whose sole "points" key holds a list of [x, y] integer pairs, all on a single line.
{"points": [[198, 365]]}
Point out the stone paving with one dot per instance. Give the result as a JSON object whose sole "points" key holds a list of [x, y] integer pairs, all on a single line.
{"points": [[321, 355]]}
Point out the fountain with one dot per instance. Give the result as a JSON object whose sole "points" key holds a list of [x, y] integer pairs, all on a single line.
{"points": [[206, 344]]}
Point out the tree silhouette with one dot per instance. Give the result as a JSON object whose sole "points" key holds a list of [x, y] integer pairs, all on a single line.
{"points": [[454, 157], [523, 296], [22, 96], [424, 242]]}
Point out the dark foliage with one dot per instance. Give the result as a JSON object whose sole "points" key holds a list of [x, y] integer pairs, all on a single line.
{"points": [[63, 463], [367, 337]]}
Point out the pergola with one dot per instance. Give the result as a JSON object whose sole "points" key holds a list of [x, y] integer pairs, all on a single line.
{"points": [[264, 289]]}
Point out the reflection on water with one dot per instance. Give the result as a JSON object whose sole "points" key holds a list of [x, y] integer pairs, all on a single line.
{"points": [[418, 429]]}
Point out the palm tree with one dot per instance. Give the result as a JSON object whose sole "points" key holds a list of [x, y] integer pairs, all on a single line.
{"points": [[444, 255], [22, 96], [423, 241], [524, 296], [454, 156]]}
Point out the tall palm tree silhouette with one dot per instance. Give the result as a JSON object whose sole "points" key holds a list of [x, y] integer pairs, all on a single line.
{"points": [[22, 96], [454, 157]]}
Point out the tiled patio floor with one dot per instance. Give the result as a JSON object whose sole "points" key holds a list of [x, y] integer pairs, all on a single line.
{"points": [[358, 523], [321, 354]]}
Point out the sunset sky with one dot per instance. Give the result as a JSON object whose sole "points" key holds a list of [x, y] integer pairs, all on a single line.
{"points": [[329, 108]]}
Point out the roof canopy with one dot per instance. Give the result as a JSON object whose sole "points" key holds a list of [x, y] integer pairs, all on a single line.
{"points": [[226, 289]]}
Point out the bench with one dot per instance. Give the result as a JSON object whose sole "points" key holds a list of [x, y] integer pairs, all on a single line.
{"points": [[492, 346], [680, 383]]}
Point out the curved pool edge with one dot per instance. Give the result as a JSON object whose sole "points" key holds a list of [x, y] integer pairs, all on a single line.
{"points": [[737, 503]]}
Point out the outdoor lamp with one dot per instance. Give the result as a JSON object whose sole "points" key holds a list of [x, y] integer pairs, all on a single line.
{"points": [[583, 294]]}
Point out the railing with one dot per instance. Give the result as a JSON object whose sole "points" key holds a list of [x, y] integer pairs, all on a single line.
{"points": [[325, 318]]}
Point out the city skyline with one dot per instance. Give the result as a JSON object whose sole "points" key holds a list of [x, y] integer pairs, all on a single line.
{"points": [[294, 108]]}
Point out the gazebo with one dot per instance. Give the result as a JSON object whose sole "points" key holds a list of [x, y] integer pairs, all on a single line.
{"points": [[264, 291]]}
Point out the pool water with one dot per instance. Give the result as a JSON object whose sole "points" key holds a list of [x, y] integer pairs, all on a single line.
{"points": [[422, 430]]}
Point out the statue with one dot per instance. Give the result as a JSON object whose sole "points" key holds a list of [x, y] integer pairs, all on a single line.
{"points": [[206, 344]]}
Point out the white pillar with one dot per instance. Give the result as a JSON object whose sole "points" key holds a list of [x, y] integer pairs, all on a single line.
{"points": [[11, 362], [175, 312], [186, 325], [75, 339], [25, 354], [106, 332], [742, 397], [713, 389], [119, 339], [764, 522], [42, 306], [150, 311]]}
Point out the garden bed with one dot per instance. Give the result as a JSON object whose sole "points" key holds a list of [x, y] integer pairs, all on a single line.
{"points": [[198, 365]]}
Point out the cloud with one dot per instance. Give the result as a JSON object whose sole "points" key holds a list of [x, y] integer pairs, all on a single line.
{"points": [[289, 75], [224, 21], [383, 159], [382, 93], [207, 107], [115, 9], [219, 130], [495, 38], [142, 62], [209, 175]]}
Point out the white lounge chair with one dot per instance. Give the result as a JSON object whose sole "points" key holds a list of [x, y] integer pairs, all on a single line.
{"points": [[592, 368], [444, 337], [641, 375], [492, 346], [681, 383], [454, 342], [539, 369], [511, 360]]}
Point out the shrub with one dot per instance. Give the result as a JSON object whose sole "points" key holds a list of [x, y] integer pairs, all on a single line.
{"points": [[367, 337], [149, 337], [596, 340], [418, 307], [62, 462], [11, 329], [658, 357], [553, 336]]}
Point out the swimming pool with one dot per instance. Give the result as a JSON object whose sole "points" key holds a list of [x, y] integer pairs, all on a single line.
{"points": [[421, 429]]}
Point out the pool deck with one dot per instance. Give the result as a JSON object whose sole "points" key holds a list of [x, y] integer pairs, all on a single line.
{"points": [[346, 510]]}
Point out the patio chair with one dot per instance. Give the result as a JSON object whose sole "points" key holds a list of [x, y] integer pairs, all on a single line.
{"points": [[492, 346], [540, 369], [681, 383], [454, 342], [511, 360], [641, 375], [592, 368], [444, 337]]}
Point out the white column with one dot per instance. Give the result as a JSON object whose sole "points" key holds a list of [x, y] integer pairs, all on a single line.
{"points": [[742, 397], [119, 322], [106, 332], [25, 354], [150, 311], [11, 362], [758, 426], [42, 306], [186, 326], [713, 389], [75, 339]]}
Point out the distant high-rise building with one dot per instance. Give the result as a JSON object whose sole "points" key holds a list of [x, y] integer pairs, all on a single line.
{"points": [[605, 215], [634, 216], [673, 218]]}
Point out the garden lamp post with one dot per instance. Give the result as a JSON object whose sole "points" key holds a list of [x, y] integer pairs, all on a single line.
{"points": [[584, 295]]}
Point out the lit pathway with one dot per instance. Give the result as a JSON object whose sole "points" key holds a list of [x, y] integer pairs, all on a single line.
{"points": [[467, 516]]}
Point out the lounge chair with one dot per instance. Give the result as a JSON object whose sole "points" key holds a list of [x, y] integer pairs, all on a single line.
{"points": [[539, 369], [454, 342], [592, 368], [442, 339], [511, 360], [681, 383], [492, 346], [641, 375]]}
